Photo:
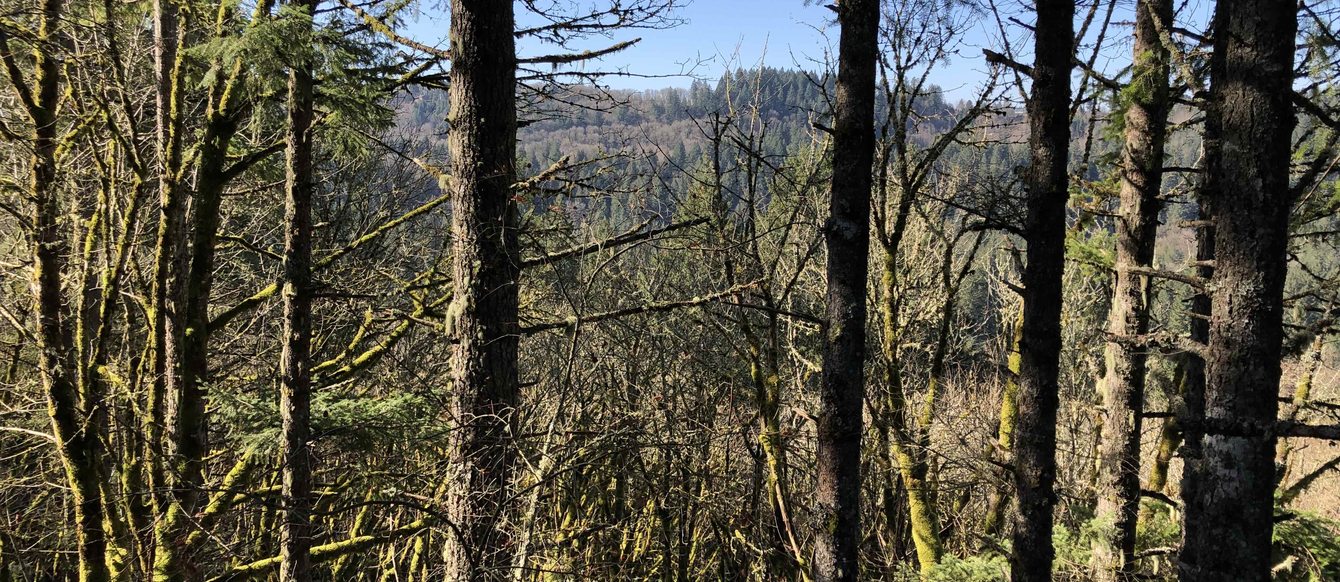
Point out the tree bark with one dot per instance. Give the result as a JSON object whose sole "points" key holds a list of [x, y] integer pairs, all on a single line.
{"points": [[1040, 348], [1192, 411], [483, 314], [296, 379], [1248, 125], [1136, 224], [1169, 441], [847, 235], [192, 426], [76, 441], [213, 174], [1302, 393], [160, 426]]}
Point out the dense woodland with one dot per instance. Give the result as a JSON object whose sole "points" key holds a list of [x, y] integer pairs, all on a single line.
{"points": [[288, 294]]}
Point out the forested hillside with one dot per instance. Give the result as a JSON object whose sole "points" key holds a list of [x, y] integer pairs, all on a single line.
{"points": [[291, 291], [603, 122]]}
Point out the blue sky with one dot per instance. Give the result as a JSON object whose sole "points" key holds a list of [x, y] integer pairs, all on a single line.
{"points": [[712, 32], [719, 34], [714, 35], [780, 33]]}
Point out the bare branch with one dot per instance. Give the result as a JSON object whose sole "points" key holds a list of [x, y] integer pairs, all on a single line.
{"points": [[575, 321], [623, 239]]}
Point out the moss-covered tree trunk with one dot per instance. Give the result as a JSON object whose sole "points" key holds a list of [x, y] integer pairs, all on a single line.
{"points": [[192, 426], [1302, 393], [167, 326], [998, 502], [903, 438], [482, 125], [910, 436], [76, 440], [1146, 115], [1169, 440], [295, 390]]}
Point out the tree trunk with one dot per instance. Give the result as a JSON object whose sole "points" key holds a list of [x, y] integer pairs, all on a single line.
{"points": [[213, 175], [1040, 348], [193, 429], [1137, 223], [484, 307], [847, 235], [1169, 441], [1302, 394], [76, 440], [1192, 409], [1248, 126], [296, 380], [165, 300], [1190, 413], [1003, 447]]}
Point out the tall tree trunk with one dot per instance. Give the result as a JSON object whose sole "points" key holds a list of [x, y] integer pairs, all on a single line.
{"points": [[296, 380], [1040, 348], [163, 404], [484, 307], [295, 391], [1137, 223], [1248, 126], [192, 426], [212, 176], [847, 235], [76, 441], [1192, 410]]}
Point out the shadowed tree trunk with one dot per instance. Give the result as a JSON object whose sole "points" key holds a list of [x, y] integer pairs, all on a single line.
{"points": [[847, 235], [1192, 409], [296, 382], [1248, 125], [215, 170], [220, 125], [1169, 442], [483, 125], [1302, 393], [1137, 223], [76, 441], [1040, 347]]}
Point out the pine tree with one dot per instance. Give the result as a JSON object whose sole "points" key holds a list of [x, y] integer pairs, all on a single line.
{"points": [[1249, 122], [1046, 183], [847, 235]]}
